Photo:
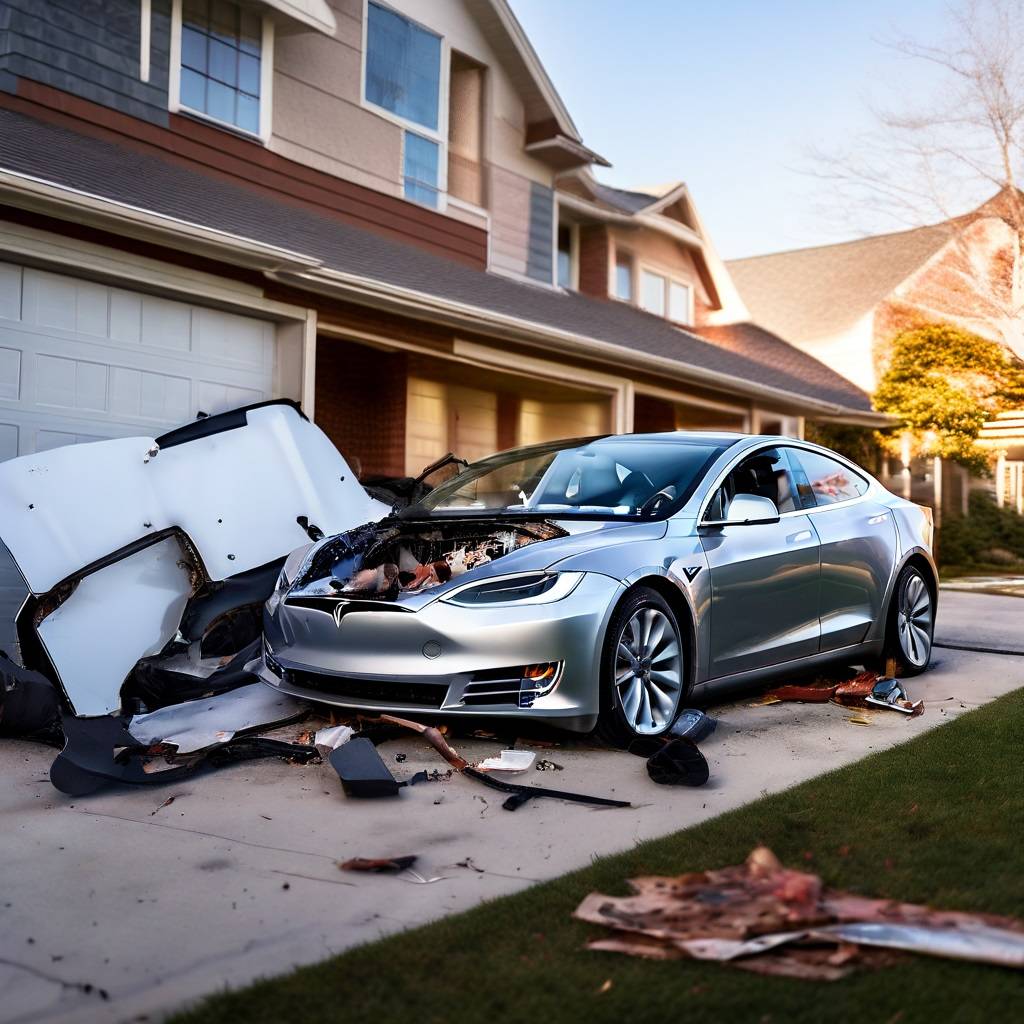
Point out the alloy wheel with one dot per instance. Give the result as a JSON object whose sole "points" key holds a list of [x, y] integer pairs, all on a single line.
{"points": [[914, 621], [649, 671]]}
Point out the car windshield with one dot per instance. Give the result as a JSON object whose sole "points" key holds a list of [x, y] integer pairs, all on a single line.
{"points": [[592, 478]]}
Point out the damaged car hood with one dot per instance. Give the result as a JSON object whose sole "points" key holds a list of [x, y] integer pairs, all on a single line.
{"points": [[416, 561]]}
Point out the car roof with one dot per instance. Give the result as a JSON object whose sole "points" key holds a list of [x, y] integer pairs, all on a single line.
{"points": [[719, 438]]}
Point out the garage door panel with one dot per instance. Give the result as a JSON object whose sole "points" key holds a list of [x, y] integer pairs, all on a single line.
{"points": [[143, 395], [10, 374], [231, 339], [215, 397], [9, 434], [65, 303], [10, 292], [65, 383]]}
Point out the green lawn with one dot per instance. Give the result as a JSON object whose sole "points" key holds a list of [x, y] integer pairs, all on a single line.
{"points": [[938, 820]]}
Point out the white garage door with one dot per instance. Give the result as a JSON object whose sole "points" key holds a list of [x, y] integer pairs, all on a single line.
{"points": [[81, 361]]}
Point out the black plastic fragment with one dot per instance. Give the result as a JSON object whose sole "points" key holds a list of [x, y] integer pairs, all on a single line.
{"points": [[362, 771], [99, 751], [207, 426], [678, 763], [519, 794]]}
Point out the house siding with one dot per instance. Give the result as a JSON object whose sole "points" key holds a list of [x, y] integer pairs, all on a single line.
{"points": [[88, 48]]}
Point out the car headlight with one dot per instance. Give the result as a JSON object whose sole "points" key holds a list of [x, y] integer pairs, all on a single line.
{"points": [[522, 588], [289, 571]]}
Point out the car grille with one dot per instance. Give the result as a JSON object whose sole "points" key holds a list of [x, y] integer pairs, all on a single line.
{"points": [[494, 686], [380, 691]]}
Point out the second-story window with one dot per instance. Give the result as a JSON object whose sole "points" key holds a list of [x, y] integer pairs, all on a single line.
{"points": [[403, 77], [565, 258], [221, 54], [652, 293], [664, 296], [623, 277]]}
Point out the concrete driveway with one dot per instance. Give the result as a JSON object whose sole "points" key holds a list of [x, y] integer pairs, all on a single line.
{"points": [[126, 904]]}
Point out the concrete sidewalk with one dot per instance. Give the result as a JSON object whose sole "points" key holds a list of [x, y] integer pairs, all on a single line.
{"points": [[157, 902]]}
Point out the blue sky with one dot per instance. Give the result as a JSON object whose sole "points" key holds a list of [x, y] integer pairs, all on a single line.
{"points": [[728, 95]]}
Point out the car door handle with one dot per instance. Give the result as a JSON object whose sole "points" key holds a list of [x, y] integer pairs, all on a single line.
{"points": [[798, 538], [880, 518]]}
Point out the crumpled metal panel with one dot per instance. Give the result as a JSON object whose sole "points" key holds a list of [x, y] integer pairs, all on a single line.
{"points": [[236, 494]]}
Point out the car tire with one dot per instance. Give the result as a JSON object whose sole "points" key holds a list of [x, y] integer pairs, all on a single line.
{"points": [[644, 677], [910, 624]]}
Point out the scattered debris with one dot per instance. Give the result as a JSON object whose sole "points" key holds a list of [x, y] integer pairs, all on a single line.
{"points": [[400, 758], [548, 766], [859, 720], [889, 693], [101, 750], [678, 763], [693, 724], [362, 771], [762, 917], [520, 794], [434, 737], [379, 864], [468, 863], [326, 740], [862, 690], [508, 761]]}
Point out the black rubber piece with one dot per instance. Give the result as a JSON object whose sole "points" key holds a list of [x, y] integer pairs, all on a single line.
{"points": [[678, 763]]}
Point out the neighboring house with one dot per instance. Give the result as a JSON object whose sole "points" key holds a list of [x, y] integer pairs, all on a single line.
{"points": [[360, 205], [844, 303]]}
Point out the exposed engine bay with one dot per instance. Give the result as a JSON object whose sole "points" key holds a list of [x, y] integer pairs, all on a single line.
{"points": [[380, 562]]}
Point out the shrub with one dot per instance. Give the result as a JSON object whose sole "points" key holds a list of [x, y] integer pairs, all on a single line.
{"points": [[987, 535]]}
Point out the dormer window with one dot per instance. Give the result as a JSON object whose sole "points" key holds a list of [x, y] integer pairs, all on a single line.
{"points": [[667, 297], [403, 79], [652, 293]]}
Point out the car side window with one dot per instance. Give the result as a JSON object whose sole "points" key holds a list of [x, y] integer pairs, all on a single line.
{"points": [[829, 480], [766, 473]]}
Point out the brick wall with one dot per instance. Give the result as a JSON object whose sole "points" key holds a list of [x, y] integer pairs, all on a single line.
{"points": [[360, 404], [594, 260]]}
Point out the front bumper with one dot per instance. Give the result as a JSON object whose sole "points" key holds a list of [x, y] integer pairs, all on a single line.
{"points": [[443, 657]]}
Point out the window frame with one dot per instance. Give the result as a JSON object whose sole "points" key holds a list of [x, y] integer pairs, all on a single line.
{"points": [[574, 255], [843, 465], [649, 271], [629, 256], [670, 278], [798, 446], [266, 98], [438, 135]]}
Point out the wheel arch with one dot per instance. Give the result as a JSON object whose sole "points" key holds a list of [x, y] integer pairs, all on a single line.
{"points": [[680, 606]]}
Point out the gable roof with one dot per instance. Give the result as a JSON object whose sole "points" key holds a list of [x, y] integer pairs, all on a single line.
{"points": [[324, 254], [807, 294], [769, 350]]}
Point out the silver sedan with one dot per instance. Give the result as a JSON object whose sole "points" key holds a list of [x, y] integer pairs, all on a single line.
{"points": [[605, 582]]}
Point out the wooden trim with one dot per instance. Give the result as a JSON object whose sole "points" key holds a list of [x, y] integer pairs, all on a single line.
{"points": [[206, 149]]}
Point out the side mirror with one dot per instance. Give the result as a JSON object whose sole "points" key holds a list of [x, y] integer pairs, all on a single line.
{"points": [[745, 510], [751, 508]]}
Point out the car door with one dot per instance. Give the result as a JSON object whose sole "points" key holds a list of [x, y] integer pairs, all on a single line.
{"points": [[858, 546], [764, 575]]}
